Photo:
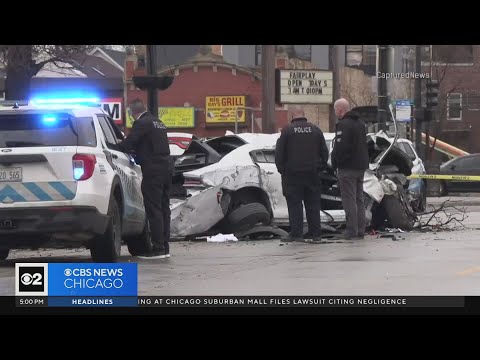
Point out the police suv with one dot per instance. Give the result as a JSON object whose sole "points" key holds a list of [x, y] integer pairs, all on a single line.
{"points": [[63, 181]]}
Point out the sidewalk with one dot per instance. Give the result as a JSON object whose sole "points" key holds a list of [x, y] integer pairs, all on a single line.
{"points": [[457, 200]]}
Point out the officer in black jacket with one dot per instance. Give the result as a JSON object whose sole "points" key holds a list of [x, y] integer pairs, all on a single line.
{"points": [[148, 139], [301, 152], [350, 156]]}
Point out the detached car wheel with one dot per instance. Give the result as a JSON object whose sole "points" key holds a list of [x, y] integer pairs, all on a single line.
{"points": [[396, 213], [246, 216], [107, 248], [141, 244], [4, 254]]}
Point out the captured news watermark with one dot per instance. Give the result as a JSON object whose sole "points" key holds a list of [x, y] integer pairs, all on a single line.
{"points": [[402, 75]]}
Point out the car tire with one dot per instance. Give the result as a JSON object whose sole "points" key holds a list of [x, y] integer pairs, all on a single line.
{"points": [[4, 254], [141, 244], [107, 248], [246, 216], [396, 213]]}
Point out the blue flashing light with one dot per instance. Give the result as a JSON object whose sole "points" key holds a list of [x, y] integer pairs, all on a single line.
{"points": [[78, 173], [66, 101], [59, 100], [49, 119]]}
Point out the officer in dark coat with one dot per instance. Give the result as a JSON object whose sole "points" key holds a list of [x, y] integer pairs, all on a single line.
{"points": [[350, 157], [148, 139], [301, 153]]}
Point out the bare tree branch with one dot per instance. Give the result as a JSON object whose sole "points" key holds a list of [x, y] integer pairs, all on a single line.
{"points": [[443, 217], [25, 61], [358, 94]]}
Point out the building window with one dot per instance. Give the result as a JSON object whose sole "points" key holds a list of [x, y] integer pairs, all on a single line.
{"points": [[353, 55], [363, 57], [2, 95], [454, 106], [303, 52], [258, 55], [141, 61], [449, 54], [408, 58]]}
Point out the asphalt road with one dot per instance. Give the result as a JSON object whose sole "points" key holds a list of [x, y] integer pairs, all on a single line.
{"points": [[415, 263]]}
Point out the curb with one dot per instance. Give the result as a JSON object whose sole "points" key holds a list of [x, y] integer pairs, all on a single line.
{"points": [[474, 201]]}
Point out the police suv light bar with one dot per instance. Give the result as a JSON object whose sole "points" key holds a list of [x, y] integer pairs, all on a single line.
{"points": [[10, 103], [89, 101]]}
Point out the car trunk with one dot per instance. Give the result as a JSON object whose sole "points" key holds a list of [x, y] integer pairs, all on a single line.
{"points": [[189, 153]]}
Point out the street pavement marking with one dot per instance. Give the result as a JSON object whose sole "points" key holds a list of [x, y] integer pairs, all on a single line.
{"points": [[469, 271]]}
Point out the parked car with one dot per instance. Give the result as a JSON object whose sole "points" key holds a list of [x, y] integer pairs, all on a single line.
{"points": [[462, 165]]}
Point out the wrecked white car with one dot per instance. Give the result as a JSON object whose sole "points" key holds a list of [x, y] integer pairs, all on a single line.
{"points": [[235, 185], [237, 192]]}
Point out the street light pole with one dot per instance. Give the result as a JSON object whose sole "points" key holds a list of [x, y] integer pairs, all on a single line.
{"points": [[252, 116], [236, 121], [418, 101]]}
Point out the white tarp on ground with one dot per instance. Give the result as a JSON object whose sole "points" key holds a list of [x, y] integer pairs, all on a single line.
{"points": [[222, 238]]}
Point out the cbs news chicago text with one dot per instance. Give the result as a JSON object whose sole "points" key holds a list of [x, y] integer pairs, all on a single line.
{"points": [[116, 285]]}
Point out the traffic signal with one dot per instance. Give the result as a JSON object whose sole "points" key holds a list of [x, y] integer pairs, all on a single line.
{"points": [[153, 82], [432, 93]]}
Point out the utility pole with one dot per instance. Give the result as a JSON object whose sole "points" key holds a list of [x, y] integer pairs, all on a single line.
{"points": [[382, 88], [334, 67], [268, 89], [152, 71], [418, 101]]}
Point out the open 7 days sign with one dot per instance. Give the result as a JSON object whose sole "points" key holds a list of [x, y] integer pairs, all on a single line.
{"points": [[113, 107], [304, 86]]}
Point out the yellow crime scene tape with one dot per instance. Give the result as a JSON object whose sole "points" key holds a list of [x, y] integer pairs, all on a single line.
{"points": [[445, 177]]}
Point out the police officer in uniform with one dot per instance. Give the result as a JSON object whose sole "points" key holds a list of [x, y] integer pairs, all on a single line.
{"points": [[301, 153], [148, 139]]}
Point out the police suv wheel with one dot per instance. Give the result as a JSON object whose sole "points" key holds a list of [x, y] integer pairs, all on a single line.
{"points": [[107, 248], [141, 244], [4, 254]]}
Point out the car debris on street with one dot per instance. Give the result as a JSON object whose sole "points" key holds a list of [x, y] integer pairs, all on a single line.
{"points": [[230, 184]]}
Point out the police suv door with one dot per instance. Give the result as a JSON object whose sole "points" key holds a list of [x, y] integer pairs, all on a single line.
{"points": [[271, 183], [130, 175]]}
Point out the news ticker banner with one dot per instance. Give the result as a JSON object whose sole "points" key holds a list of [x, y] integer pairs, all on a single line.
{"points": [[116, 285], [243, 301]]}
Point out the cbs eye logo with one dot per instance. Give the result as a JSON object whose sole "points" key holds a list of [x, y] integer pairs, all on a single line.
{"points": [[31, 279]]}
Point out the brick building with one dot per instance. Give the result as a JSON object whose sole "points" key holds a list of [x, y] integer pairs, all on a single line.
{"points": [[203, 77], [457, 68]]}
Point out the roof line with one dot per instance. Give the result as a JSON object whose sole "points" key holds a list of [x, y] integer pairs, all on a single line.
{"points": [[110, 60], [241, 68]]}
